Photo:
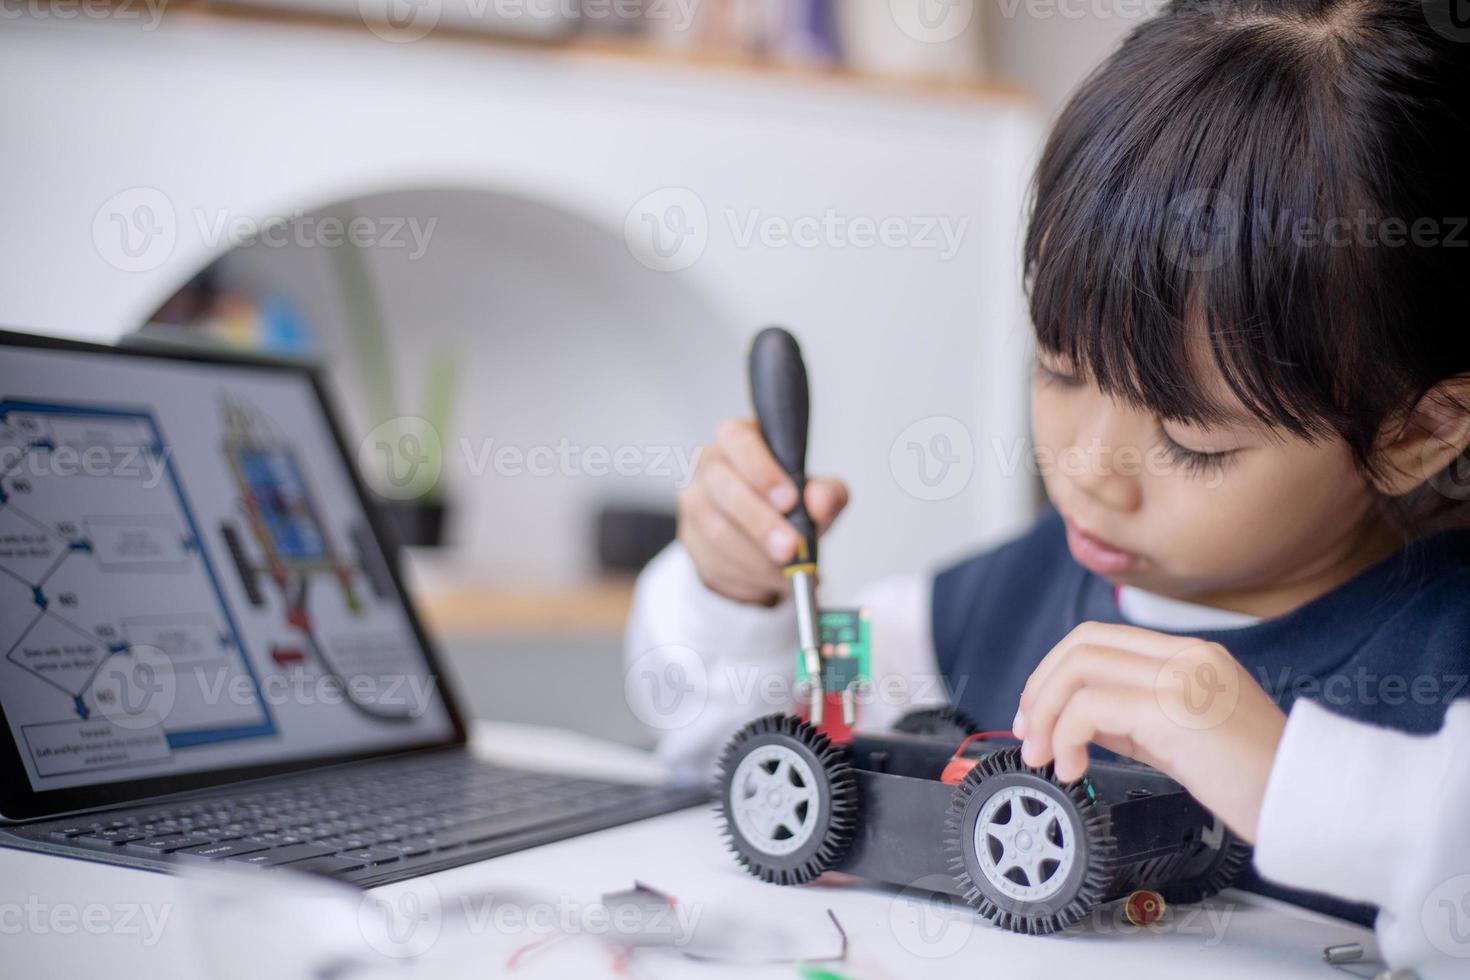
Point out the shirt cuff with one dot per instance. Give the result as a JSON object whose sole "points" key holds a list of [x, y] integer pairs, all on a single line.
{"points": [[1334, 817]]}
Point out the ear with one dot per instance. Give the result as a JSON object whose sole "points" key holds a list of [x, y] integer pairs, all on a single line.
{"points": [[1417, 446]]}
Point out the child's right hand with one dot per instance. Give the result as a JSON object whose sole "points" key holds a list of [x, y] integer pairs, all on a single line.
{"points": [[731, 516]]}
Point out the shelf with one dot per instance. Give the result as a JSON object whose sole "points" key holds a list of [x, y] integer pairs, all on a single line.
{"points": [[469, 609], [635, 51]]}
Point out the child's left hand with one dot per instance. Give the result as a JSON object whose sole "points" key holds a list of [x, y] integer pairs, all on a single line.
{"points": [[1181, 705]]}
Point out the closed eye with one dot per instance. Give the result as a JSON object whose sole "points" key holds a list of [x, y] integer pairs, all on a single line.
{"points": [[1050, 376], [1195, 462]]}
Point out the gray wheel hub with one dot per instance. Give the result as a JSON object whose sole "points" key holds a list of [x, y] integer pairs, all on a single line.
{"points": [[774, 801], [1025, 843]]}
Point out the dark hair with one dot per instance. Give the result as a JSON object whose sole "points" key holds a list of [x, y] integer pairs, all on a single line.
{"points": [[1280, 183]]}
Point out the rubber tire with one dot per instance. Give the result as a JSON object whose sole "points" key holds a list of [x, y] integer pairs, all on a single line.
{"points": [[837, 795], [1090, 879], [938, 722], [1223, 870]]}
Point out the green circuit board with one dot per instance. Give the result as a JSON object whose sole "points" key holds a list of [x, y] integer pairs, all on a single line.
{"points": [[847, 655]]}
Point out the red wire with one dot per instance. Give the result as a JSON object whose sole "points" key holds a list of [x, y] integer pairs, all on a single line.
{"points": [[980, 737]]}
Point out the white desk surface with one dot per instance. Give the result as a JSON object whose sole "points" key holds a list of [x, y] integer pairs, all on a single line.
{"points": [[64, 918]]}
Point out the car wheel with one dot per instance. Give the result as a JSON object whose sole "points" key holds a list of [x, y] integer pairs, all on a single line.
{"points": [[1029, 854], [1217, 863], [940, 722], [789, 800]]}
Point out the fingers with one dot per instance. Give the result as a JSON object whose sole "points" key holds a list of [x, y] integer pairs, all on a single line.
{"points": [[739, 441], [732, 516], [1161, 645], [825, 499], [1085, 666], [728, 561], [750, 512], [1116, 715]]}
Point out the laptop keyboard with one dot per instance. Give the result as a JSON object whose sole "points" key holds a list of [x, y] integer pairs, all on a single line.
{"points": [[370, 824]]}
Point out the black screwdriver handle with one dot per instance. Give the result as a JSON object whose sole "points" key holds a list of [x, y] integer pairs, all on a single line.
{"points": [[778, 389]]}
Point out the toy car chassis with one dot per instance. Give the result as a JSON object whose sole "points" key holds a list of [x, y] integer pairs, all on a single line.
{"points": [[934, 802]]}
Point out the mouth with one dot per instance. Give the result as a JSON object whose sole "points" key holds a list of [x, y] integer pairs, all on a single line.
{"points": [[1097, 555]]}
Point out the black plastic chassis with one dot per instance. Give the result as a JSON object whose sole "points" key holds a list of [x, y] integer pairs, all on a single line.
{"points": [[889, 818]]}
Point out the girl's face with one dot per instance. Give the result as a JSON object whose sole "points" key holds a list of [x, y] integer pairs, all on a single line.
{"points": [[1236, 515]]}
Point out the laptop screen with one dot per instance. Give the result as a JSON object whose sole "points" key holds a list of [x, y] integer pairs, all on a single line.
{"points": [[188, 579]]}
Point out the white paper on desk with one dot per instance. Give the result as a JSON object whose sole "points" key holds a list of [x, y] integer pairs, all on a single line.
{"points": [[251, 924]]}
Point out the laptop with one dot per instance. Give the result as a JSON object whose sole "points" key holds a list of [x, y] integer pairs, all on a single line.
{"points": [[206, 655]]}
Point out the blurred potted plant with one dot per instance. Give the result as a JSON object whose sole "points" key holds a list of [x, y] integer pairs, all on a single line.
{"points": [[402, 457]]}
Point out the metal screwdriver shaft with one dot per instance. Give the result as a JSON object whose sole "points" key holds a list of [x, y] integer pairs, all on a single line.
{"points": [[778, 389]]}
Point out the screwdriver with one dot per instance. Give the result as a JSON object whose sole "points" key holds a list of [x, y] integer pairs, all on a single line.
{"points": [[778, 390]]}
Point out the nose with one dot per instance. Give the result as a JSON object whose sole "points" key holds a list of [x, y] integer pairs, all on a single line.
{"points": [[1105, 476]]}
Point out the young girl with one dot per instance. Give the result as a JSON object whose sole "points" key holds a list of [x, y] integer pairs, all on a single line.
{"points": [[1245, 263]]}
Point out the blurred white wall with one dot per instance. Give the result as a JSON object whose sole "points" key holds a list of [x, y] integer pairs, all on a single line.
{"points": [[541, 271]]}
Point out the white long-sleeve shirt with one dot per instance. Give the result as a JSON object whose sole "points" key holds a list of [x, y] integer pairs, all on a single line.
{"points": [[1372, 815]]}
